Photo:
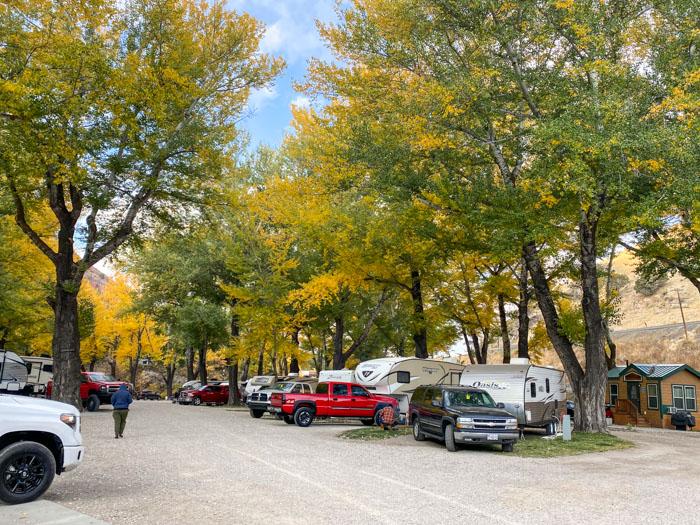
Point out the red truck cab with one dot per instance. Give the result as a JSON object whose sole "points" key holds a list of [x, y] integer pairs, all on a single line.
{"points": [[331, 399], [96, 388], [205, 395]]}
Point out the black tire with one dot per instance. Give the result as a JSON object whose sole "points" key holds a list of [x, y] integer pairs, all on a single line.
{"points": [[367, 422], [26, 471], [507, 447], [450, 438], [197, 401], [257, 414], [303, 416], [93, 403], [417, 432], [288, 419]]}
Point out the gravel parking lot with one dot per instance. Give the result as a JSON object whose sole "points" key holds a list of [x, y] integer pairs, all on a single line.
{"points": [[181, 464]]}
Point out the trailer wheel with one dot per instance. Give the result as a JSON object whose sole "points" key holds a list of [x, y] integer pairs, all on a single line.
{"points": [[550, 429], [450, 438]]}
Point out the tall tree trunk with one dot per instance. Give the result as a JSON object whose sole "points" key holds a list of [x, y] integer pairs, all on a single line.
{"points": [[91, 366], [470, 351], [294, 365], [261, 360], [189, 361], [203, 361], [338, 334], [420, 332], [523, 313], [170, 378], [595, 379], [505, 337], [134, 363], [611, 355], [234, 394], [65, 346], [246, 369], [481, 350]]}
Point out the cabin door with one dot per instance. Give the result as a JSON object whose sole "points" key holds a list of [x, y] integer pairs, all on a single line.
{"points": [[633, 393]]}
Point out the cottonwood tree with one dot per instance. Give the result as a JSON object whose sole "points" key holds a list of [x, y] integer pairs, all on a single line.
{"points": [[116, 115]]}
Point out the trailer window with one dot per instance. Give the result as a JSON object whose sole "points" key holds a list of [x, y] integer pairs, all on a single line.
{"points": [[533, 389], [47, 368], [403, 377], [546, 385]]}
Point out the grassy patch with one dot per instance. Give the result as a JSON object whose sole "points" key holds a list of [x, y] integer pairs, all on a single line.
{"points": [[581, 443], [374, 433]]}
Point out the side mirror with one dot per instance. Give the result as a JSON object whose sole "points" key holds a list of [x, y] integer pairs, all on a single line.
{"points": [[437, 403], [500, 405]]}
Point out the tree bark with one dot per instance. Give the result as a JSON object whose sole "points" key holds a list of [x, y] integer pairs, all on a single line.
{"points": [[294, 365], [134, 363], [523, 314], [420, 332], [611, 355], [470, 351], [65, 346], [261, 360], [246, 369], [189, 360], [338, 334], [202, 362], [169, 378], [234, 394], [505, 338]]}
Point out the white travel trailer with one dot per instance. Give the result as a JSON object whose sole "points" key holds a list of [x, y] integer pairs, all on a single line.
{"points": [[344, 376], [13, 373], [400, 376], [255, 383], [536, 395], [40, 371]]}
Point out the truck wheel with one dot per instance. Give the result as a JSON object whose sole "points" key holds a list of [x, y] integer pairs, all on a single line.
{"points": [[450, 438], [377, 417], [93, 403], [367, 422], [26, 471], [303, 417], [288, 419], [417, 432], [197, 401], [257, 414], [507, 447]]}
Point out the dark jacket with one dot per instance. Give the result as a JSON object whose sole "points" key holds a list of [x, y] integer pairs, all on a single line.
{"points": [[121, 399]]}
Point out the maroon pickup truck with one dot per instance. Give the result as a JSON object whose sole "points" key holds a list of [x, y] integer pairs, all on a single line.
{"points": [[334, 399]]}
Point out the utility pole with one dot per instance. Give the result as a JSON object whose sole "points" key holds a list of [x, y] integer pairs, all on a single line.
{"points": [[680, 303]]}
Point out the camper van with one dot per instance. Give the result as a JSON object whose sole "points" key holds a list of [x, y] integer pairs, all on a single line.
{"points": [[400, 376], [536, 395], [341, 376], [40, 372], [13, 373]]}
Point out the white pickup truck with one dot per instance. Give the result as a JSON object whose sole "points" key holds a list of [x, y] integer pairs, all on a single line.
{"points": [[38, 439]]}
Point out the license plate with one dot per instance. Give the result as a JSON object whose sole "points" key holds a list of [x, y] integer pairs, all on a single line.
{"points": [[491, 437]]}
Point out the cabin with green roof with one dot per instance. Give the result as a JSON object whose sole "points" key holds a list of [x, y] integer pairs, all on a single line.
{"points": [[645, 395]]}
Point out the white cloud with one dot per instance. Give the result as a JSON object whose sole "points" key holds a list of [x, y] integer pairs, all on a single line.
{"points": [[302, 102], [259, 98]]}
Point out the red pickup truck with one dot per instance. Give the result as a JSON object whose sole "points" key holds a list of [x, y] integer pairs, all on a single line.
{"points": [[205, 395], [95, 388], [333, 399]]}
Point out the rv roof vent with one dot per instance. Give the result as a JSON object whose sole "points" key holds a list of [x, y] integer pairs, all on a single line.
{"points": [[519, 361]]}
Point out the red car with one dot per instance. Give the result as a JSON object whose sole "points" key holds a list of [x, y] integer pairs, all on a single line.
{"points": [[334, 399], [96, 388], [206, 394]]}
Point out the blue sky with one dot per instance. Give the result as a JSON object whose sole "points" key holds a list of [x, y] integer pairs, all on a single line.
{"points": [[290, 33]]}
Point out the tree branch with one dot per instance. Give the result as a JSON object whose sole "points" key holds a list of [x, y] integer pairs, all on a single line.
{"points": [[365, 332], [21, 220]]}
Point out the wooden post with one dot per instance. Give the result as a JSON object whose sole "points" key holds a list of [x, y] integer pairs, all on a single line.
{"points": [[680, 303]]}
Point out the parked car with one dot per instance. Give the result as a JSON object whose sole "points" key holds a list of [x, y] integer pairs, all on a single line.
{"points": [[148, 395], [38, 439], [205, 395], [96, 388], [333, 399], [461, 415], [259, 402]]}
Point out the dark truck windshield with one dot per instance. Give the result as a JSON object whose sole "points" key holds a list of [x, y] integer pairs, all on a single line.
{"points": [[456, 398]]}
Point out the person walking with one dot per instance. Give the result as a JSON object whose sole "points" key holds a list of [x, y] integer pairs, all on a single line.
{"points": [[121, 400]]}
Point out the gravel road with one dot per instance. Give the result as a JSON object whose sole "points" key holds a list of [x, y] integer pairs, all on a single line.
{"points": [[180, 464]]}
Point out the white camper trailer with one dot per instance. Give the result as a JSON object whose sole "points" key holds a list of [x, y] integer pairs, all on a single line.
{"points": [[40, 372], [13, 373], [400, 376], [343, 376], [255, 383], [536, 395]]}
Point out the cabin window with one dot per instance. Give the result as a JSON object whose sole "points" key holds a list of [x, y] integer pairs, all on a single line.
{"points": [[690, 402], [296, 389], [533, 389], [359, 391], [653, 396], [613, 393], [322, 388], [340, 390], [546, 384], [403, 377], [307, 389], [437, 395]]}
